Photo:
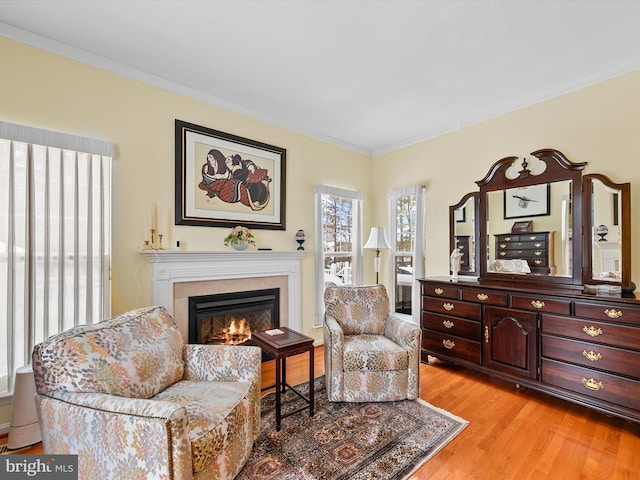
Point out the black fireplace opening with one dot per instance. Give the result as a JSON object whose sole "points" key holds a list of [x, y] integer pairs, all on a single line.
{"points": [[229, 318]]}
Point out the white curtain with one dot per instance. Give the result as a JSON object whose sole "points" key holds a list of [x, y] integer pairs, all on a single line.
{"points": [[55, 247]]}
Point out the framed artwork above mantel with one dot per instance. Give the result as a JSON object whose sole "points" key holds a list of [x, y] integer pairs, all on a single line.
{"points": [[224, 180]]}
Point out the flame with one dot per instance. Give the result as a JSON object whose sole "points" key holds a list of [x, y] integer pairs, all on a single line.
{"points": [[238, 331]]}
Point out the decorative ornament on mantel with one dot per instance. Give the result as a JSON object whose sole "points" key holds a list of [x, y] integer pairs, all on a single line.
{"points": [[300, 238], [239, 238]]}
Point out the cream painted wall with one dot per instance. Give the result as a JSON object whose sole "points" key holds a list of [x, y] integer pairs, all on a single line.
{"points": [[598, 125]]}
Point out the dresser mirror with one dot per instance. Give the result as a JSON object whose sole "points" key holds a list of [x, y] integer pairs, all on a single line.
{"points": [[463, 228], [529, 210], [607, 244]]}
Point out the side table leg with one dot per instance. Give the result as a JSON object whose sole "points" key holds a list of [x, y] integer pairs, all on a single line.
{"points": [[311, 381], [284, 374], [278, 413]]}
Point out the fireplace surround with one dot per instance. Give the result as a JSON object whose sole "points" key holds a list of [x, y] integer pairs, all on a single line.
{"points": [[177, 275]]}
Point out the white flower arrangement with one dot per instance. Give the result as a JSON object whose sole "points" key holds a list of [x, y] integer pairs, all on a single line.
{"points": [[239, 234]]}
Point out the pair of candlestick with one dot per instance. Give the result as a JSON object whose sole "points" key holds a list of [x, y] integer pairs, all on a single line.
{"points": [[155, 241]]}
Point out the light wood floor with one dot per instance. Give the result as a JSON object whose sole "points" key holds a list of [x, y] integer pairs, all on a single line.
{"points": [[513, 433]]}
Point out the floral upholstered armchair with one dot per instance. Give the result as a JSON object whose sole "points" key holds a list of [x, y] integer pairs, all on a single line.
{"points": [[134, 402], [371, 355]]}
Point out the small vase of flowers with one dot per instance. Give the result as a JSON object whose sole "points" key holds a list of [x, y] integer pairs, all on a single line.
{"points": [[239, 238]]}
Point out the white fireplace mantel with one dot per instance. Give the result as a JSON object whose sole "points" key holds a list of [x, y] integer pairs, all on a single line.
{"points": [[169, 267]]}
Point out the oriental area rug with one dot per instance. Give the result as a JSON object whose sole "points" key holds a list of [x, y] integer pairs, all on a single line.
{"points": [[347, 441]]}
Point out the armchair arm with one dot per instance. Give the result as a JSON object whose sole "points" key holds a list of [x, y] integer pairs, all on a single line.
{"points": [[223, 363], [408, 335], [117, 437], [333, 358], [404, 333]]}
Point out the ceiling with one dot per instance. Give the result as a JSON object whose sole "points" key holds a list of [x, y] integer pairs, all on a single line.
{"points": [[371, 76]]}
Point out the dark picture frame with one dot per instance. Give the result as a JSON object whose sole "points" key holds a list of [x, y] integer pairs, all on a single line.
{"points": [[530, 201], [224, 180], [460, 214]]}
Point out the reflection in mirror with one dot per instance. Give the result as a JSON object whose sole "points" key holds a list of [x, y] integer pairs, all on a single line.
{"points": [[529, 230], [606, 233], [607, 242], [463, 228]]}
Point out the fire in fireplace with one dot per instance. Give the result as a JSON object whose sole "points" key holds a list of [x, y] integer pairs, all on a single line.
{"points": [[229, 318]]}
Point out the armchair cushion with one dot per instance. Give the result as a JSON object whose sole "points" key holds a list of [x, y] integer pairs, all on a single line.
{"points": [[373, 353], [215, 410]]}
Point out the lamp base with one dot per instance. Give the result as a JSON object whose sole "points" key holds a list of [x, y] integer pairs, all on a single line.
{"points": [[24, 436], [24, 429]]}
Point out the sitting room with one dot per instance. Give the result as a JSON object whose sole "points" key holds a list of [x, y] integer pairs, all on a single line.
{"points": [[321, 240]]}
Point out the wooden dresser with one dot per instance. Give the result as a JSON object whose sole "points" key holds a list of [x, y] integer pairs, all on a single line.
{"points": [[580, 347], [534, 247]]}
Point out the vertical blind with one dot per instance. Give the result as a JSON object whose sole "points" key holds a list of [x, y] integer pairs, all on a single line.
{"points": [[55, 230]]}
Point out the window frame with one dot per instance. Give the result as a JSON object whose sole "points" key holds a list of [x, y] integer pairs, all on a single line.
{"points": [[356, 252], [418, 250]]}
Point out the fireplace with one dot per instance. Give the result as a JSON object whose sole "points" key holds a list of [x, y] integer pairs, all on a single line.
{"points": [[229, 318]]}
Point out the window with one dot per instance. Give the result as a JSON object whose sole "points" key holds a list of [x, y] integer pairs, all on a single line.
{"points": [[339, 242], [55, 244], [406, 219]]}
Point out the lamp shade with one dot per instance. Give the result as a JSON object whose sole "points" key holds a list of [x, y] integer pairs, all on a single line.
{"points": [[377, 239]]}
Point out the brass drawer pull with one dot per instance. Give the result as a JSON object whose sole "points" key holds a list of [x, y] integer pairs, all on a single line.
{"points": [[482, 296], [448, 323], [537, 304], [486, 334], [439, 291], [448, 306], [460, 247], [537, 245], [503, 245], [537, 262], [591, 355], [537, 254], [506, 239], [592, 331], [448, 344], [613, 313], [532, 237], [502, 254], [592, 384]]}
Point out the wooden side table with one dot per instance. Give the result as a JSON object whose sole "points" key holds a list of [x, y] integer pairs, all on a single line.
{"points": [[281, 346]]}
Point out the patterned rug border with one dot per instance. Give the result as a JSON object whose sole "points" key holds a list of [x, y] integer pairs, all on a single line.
{"points": [[399, 447], [463, 424]]}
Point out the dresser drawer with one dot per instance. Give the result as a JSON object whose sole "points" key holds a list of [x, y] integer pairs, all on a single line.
{"points": [[451, 307], [597, 332], [541, 304], [440, 291], [603, 311], [603, 386], [452, 325], [616, 360], [484, 296], [450, 345]]}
